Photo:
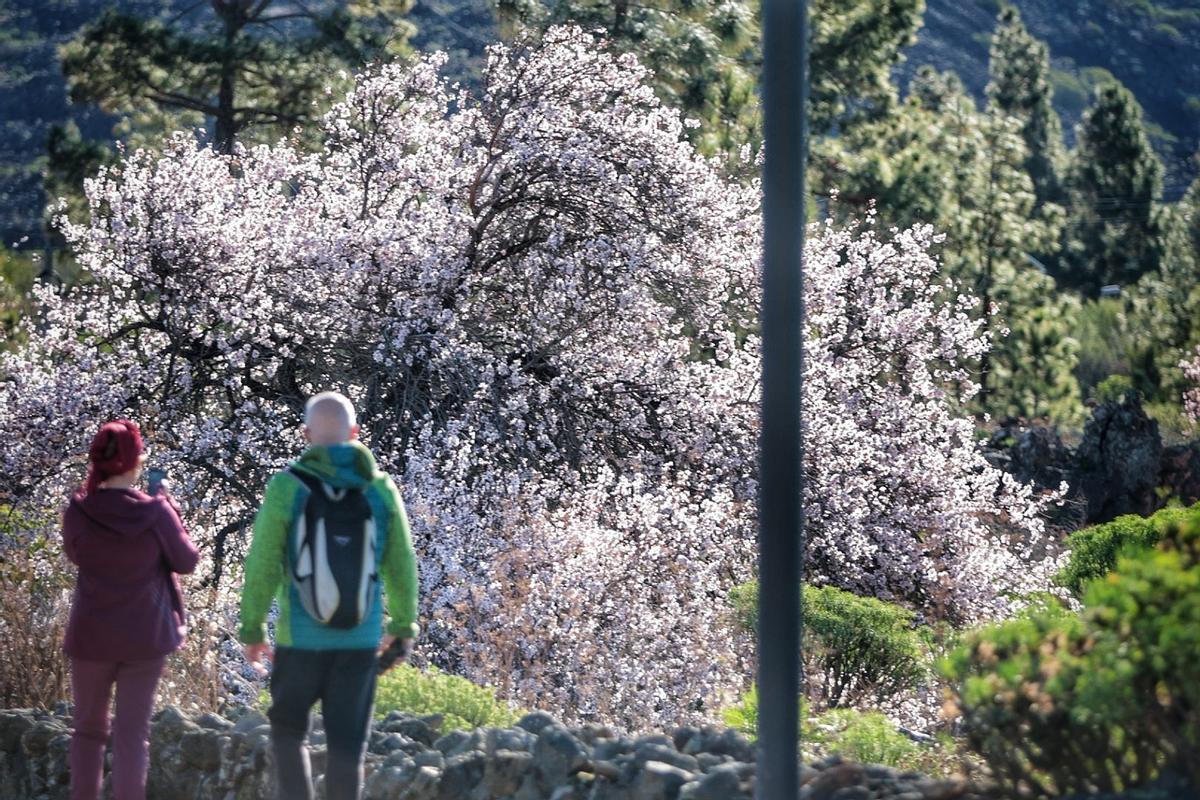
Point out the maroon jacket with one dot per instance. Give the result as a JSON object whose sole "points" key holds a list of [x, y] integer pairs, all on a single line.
{"points": [[127, 604]]}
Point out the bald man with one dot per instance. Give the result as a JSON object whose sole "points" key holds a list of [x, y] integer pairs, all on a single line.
{"points": [[330, 526]]}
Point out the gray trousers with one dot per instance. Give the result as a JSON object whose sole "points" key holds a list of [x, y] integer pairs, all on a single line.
{"points": [[344, 682]]}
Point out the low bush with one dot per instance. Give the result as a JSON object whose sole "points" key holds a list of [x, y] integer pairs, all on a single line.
{"points": [[35, 599], [855, 648], [462, 704], [1100, 701], [1094, 551], [867, 737]]}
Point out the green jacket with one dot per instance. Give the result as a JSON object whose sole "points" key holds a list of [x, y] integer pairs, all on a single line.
{"points": [[267, 571]]}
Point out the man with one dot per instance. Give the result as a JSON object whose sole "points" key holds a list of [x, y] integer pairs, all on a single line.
{"points": [[329, 524]]}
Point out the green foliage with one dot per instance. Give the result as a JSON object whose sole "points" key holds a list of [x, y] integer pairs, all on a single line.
{"points": [[1094, 551], [867, 737], [1114, 185], [938, 159], [743, 717], [855, 45], [17, 275], [1167, 302], [1061, 703], [1020, 87], [1111, 338], [706, 56], [856, 648], [249, 66], [463, 704], [1113, 389]]}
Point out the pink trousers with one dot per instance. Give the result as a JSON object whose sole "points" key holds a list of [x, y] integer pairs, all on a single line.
{"points": [[92, 683]]}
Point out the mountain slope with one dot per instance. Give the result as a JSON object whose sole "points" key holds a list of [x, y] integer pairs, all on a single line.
{"points": [[1151, 47]]}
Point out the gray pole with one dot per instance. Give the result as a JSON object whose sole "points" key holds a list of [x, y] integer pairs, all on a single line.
{"points": [[781, 448]]}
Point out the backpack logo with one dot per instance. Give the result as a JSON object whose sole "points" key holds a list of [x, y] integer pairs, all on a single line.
{"points": [[333, 554]]}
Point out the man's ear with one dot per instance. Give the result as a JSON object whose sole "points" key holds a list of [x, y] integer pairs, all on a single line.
{"points": [[354, 429], [307, 434]]}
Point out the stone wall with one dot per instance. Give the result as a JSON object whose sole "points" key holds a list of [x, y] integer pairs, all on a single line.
{"points": [[209, 757]]}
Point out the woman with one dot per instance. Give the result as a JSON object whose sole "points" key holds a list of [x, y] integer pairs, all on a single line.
{"points": [[127, 612]]}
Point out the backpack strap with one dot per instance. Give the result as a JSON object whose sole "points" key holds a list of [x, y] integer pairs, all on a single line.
{"points": [[316, 484]]}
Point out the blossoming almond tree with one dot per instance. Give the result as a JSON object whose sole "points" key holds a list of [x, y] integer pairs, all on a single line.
{"points": [[1191, 397], [542, 301]]}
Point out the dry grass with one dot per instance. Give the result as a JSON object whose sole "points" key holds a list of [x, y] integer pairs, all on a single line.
{"points": [[35, 598]]}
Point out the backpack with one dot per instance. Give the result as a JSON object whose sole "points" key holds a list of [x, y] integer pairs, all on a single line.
{"points": [[332, 549]]}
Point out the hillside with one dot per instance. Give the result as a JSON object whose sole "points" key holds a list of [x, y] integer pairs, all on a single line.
{"points": [[1152, 47]]}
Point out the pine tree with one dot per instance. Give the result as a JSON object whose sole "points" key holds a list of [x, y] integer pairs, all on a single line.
{"points": [[1019, 66], [249, 65], [703, 55], [706, 56], [1167, 301], [939, 160], [1114, 185]]}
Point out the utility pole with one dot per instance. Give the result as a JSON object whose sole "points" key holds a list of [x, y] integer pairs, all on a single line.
{"points": [[781, 447]]}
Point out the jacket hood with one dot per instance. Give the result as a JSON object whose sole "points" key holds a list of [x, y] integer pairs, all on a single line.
{"points": [[345, 466], [123, 511]]}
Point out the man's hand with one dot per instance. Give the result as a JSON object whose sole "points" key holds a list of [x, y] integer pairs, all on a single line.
{"points": [[392, 651], [254, 656]]}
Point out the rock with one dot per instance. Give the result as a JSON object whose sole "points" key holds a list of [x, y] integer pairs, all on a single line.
{"points": [[557, 755], [13, 725], [386, 783], [249, 721], [516, 739], [719, 784], [659, 781], [424, 785], [681, 736], [463, 772], [1180, 472], [834, 777], [708, 761], [415, 729], [456, 742], [430, 758], [852, 793], [213, 722], [36, 740], [535, 721], [612, 748], [505, 771], [651, 751], [391, 743], [201, 749], [592, 732], [1117, 462]]}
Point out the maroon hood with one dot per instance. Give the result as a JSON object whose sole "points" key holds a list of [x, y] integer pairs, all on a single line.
{"points": [[122, 512], [127, 545]]}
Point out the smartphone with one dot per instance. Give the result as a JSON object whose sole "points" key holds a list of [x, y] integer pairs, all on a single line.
{"points": [[154, 479]]}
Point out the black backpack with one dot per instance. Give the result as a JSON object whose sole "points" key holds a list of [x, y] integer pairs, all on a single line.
{"points": [[332, 553]]}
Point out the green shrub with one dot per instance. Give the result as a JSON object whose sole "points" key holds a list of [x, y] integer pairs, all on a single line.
{"points": [[463, 705], [1094, 550], [1101, 701], [743, 717], [1113, 389], [867, 737], [858, 647]]}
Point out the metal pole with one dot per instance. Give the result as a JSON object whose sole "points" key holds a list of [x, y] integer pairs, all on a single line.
{"points": [[781, 448]]}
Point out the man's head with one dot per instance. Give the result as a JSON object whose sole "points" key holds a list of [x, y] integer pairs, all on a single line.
{"points": [[329, 419]]}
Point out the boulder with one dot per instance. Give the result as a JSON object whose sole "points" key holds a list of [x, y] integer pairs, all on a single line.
{"points": [[1116, 465]]}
